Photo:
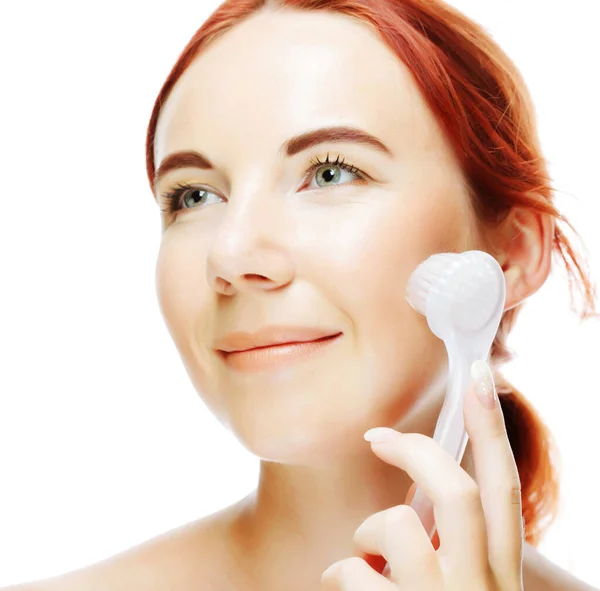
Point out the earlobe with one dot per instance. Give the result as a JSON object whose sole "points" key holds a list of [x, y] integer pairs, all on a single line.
{"points": [[526, 254], [514, 284]]}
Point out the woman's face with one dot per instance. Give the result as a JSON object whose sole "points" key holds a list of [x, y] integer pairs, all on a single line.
{"points": [[263, 242]]}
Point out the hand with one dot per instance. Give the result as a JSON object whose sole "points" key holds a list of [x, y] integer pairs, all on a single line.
{"points": [[479, 522]]}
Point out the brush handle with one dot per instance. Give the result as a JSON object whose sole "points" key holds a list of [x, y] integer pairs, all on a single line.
{"points": [[450, 434]]}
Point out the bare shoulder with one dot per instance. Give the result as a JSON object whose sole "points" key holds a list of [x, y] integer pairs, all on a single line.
{"points": [[541, 574], [182, 559]]}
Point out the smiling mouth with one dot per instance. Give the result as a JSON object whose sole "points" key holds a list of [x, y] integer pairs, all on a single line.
{"points": [[277, 356], [283, 344]]}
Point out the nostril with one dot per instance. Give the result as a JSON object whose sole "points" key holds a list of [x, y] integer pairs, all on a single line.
{"points": [[224, 286], [255, 277]]}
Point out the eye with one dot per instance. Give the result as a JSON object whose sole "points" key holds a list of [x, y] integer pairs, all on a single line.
{"points": [[328, 173], [185, 196]]}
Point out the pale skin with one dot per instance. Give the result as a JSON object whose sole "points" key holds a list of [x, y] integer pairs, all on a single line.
{"points": [[269, 244]]}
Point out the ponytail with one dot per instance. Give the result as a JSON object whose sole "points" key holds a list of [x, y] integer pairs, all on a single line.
{"points": [[536, 456]]}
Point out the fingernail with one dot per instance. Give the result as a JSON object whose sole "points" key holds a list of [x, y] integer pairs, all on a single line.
{"points": [[381, 434], [484, 384]]}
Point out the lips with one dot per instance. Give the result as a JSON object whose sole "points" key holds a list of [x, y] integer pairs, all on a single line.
{"points": [[271, 336], [275, 357]]}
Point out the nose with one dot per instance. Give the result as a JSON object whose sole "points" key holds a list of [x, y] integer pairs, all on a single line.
{"points": [[248, 252]]}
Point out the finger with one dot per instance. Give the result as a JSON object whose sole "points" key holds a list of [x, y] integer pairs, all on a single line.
{"points": [[397, 534], [457, 507], [496, 474], [354, 574]]}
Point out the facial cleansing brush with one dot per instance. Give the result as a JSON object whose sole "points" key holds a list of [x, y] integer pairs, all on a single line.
{"points": [[462, 296]]}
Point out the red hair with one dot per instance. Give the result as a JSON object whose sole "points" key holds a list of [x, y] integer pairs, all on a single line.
{"points": [[484, 108]]}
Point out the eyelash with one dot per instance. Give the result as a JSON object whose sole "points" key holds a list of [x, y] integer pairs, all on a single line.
{"points": [[174, 199]]}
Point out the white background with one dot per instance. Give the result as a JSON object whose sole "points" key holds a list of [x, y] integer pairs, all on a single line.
{"points": [[103, 441]]}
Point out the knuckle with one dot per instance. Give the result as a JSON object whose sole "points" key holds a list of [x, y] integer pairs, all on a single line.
{"points": [[510, 490], [470, 490], [465, 494], [399, 514], [515, 495]]}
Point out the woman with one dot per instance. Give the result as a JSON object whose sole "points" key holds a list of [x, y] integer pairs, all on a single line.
{"points": [[307, 155]]}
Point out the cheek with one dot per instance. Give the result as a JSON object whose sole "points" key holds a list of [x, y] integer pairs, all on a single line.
{"points": [[181, 279], [363, 268], [361, 255], [184, 300], [178, 281]]}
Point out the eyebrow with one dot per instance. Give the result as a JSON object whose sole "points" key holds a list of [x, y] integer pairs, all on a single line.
{"points": [[291, 147]]}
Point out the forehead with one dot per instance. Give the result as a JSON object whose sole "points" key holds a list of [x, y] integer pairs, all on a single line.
{"points": [[285, 72]]}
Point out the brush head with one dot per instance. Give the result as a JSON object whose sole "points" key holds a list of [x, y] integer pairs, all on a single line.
{"points": [[466, 289]]}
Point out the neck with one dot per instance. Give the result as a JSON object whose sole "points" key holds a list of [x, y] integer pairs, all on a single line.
{"points": [[301, 518]]}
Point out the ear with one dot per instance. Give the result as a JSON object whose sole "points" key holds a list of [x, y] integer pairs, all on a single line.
{"points": [[525, 253]]}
